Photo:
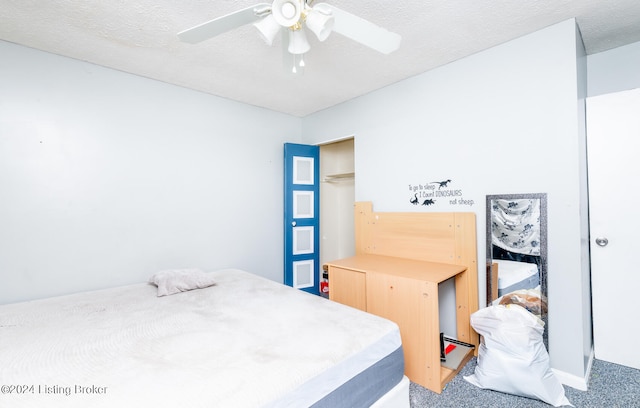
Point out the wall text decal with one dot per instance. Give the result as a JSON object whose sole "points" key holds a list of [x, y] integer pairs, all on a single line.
{"points": [[441, 192]]}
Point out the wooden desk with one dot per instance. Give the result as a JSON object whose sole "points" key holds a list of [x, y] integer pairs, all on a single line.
{"points": [[406, 291]]}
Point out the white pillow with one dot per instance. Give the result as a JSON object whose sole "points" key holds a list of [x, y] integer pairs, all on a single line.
{"points": [[180, 280]]}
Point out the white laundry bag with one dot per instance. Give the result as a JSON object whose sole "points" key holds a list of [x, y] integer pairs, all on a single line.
{"points": [[512, 357]]}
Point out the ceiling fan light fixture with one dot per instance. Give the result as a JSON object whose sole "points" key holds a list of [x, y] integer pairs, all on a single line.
{"points": [[320, 24], [295, 16], [298, 43], [286, 12], [297, 64], [267, 27]]}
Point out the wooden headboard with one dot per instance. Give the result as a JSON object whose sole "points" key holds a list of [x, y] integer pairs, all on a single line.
{"points": [[446, 237]]}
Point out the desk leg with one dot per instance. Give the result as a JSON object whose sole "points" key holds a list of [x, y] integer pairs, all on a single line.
{"points": [[463, 318], [413, 305], [432, 373]]}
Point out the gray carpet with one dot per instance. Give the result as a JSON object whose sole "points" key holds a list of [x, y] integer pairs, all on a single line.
{"points": [[610, 386]]}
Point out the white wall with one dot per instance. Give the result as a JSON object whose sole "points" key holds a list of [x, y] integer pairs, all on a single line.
{"points": [[585, 255], [614, 70], [106, 177], [502, 121]]}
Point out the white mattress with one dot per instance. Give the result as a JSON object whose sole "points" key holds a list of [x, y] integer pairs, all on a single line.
{"points": [[512, 272], [246, 342]]}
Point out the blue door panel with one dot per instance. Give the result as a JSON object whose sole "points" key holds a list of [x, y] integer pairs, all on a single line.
{"points": [[301, 190]]}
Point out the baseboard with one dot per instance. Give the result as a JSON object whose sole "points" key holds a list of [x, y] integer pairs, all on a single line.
{"points": [[574, 381]]}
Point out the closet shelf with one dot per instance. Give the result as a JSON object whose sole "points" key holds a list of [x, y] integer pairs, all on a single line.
{"points": [[333, 178]]}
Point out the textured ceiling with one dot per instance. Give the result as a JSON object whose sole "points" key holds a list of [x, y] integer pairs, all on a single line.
{"points": [[140, 37]]}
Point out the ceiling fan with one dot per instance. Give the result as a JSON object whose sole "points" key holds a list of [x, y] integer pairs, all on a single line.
{"points": [[292, 17]]}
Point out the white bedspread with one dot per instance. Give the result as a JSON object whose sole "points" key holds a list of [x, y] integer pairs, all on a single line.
{"points": [[511, 272], [246, 342]]}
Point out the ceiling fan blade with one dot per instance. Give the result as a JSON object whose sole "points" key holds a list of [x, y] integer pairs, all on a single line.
{"points": [[223, 24], [361, 30]]}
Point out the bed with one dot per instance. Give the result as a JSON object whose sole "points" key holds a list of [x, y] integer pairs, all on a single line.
{"points": [[245, 341]]}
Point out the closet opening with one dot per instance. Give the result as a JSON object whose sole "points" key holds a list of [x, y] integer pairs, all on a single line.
{"points": [[337, 197]]}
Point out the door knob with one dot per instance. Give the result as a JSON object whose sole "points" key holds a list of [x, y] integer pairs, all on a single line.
{"points": [[293, 223], [600, 241]]}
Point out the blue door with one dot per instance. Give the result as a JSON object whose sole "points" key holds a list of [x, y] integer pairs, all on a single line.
{"points": [[301, 217]]}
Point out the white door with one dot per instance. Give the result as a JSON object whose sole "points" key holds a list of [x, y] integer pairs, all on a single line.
{"points": [[613, 143]]}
